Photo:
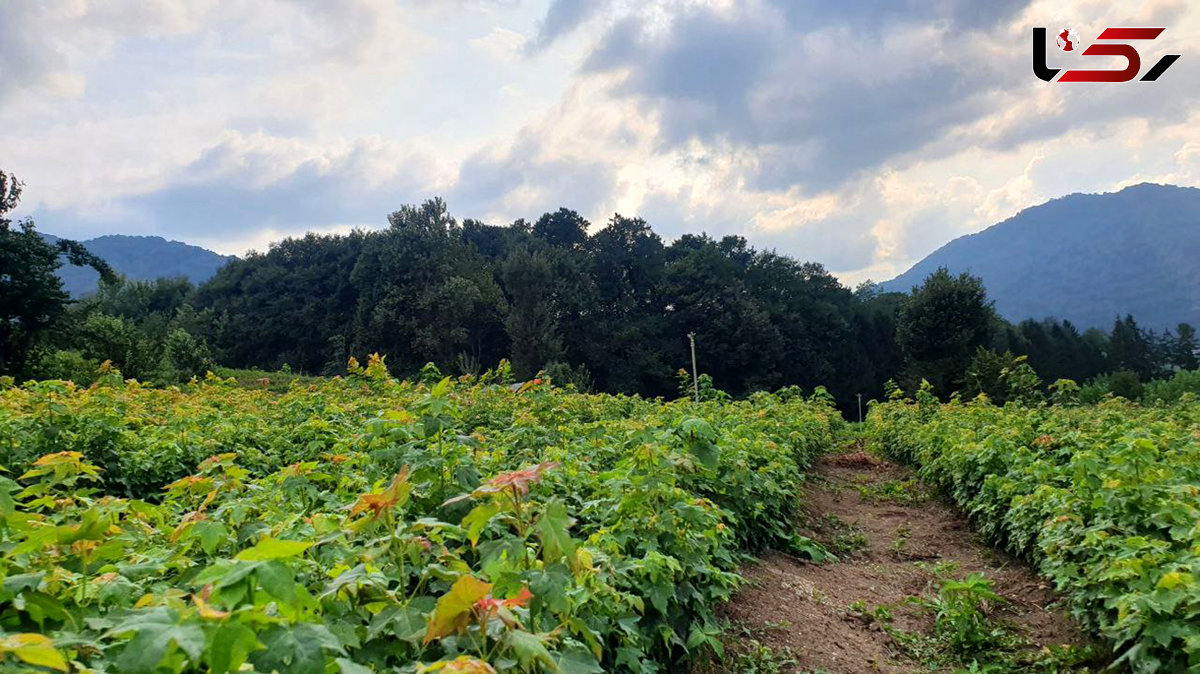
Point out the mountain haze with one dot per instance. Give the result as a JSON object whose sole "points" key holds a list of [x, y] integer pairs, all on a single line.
{"points": [[1087, 258], [140, 258]]}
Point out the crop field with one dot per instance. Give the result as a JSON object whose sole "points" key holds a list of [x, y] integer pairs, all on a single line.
{"points": [[1103, 499], [362, 524]]}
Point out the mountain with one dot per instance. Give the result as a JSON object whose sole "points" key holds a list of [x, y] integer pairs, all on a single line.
{"points": [[1087, 258], [141, 258]]}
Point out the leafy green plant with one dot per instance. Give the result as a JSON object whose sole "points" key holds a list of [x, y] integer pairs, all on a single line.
{"points": [[364, 523], [960, 614], [1102, 498]]}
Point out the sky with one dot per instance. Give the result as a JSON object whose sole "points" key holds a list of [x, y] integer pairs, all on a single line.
{"points": [[861, 134]]}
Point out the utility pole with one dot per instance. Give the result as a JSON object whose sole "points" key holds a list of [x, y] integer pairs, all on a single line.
{"points": [[859, 407], [695, 376]]}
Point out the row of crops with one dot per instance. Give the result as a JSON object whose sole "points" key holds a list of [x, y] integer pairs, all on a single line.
{"points": [[363, 524], [1104, 499]]}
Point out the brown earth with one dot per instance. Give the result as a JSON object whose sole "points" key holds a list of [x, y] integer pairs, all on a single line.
{"points": [[857, 500]]}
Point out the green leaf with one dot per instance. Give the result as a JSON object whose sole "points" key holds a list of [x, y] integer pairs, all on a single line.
{"points": [[153, 640], [231, 644], [1174, 579], [299, 649], [276, 579], [441, 388], [346, 666], [575, 659], [706, 453], [7, 487], [553, 532], [211, 535], [477, 519], [273, 548], [529, 648]]}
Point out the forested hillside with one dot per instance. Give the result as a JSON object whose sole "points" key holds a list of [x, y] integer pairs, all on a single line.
{"points": [[1087, 258], [140, 258]]}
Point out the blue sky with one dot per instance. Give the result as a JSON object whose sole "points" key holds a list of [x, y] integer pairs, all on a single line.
{"points": [[858, 134]]}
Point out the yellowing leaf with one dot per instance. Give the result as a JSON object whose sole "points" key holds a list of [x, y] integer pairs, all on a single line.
{"points": [[1172, 580], [34, 649], [453, 610], [461, 665], [273, 548]]}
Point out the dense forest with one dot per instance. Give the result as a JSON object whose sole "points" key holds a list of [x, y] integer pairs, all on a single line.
{"points": [[604, 308]]}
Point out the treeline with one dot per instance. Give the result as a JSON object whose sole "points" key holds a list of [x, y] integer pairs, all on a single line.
{"points": [[610, 310], [607, 310]]}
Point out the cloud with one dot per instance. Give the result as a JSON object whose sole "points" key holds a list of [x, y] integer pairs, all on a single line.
{"points": [[524, 182], [563, 17], [858, 134], [25, 62], [820, 102], [248, 183]]}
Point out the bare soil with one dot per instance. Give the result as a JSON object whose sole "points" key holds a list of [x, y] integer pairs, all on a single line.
{"points": [[858, 499]]}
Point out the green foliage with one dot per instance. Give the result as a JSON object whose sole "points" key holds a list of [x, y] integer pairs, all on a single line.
{"points": [[941, 325], [1172, 390], [1122, 384], [32, 300], [368, 524], [578, 377], [67, 365], [1104, 499], [960, 615], [703, 386], [759, 658]]}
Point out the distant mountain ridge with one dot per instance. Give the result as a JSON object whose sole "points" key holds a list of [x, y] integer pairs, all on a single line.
{"points": [[1086, 258], [140, 258]]}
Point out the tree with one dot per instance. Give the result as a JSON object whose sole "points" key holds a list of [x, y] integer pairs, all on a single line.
{"points": [[32, 299], [1186, 350], [563, 228], [1131, 348], [623, 337], [705, 292], [939, 327], [532, 321], [425, 294]]}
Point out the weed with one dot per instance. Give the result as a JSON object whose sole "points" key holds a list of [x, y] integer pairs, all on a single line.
{"points": [[759, 658], [960, 615], [840, 537], [902, 534], [906, 492]]}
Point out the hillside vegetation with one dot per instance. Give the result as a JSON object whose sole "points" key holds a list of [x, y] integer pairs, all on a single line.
{"points": [[1086, 258]]}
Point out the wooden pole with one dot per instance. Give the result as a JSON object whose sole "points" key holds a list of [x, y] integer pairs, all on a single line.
{"points": [[695, 375]]}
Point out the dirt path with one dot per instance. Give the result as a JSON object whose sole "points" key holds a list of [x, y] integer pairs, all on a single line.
{"points": [[894, 541]]}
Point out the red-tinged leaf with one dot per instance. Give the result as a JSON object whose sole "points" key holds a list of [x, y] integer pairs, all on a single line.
{"points": [[453, 611]]}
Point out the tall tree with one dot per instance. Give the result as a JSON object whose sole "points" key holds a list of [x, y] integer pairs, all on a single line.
{"points": [[532, 321], [940, 326], [32, 299], [623, 342], [1186, 352], [563, 228], [705, 292], [1130, 348]]}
